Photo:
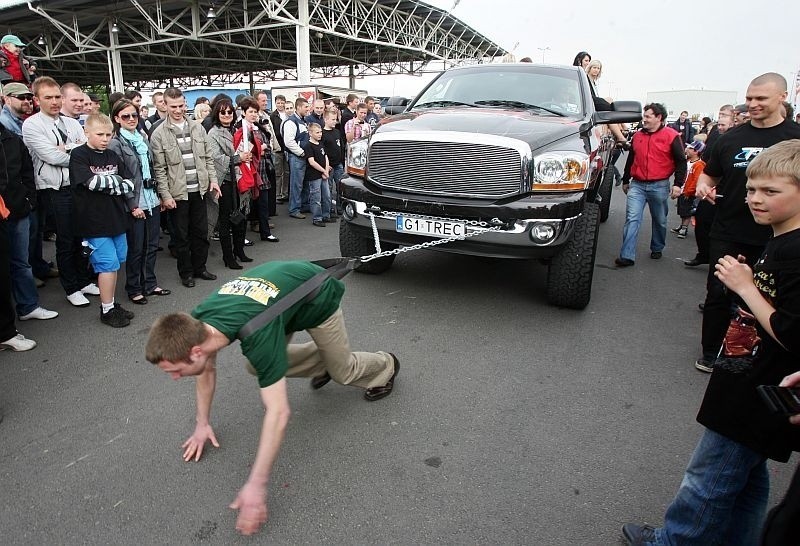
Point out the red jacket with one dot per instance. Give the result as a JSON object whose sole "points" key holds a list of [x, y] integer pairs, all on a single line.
{"points": [[653, 159], [250, 178]]}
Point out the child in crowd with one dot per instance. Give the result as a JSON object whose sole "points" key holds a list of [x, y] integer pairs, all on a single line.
{"points": [[336, 150], [317, 174], [687, 202], [100, 196], [724, 493]]}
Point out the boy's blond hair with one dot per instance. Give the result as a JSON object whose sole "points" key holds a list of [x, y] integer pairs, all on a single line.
{"points": [[98, 120], [173, 336], [780, 160]]}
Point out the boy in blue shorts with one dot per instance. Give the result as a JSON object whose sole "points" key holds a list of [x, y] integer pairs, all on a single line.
{"points": [[100, 195]]}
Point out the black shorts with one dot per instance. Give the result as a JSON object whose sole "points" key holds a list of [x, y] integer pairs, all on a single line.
{"points": [[686, 206]]}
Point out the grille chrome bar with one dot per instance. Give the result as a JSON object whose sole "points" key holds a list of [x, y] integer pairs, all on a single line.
{"points": [[448, 164]]}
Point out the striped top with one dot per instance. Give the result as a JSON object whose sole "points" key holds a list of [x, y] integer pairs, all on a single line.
{"points": [[184, 137]]}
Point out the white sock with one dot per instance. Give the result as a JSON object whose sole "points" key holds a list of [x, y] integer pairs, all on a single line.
{"points": [[107, 306]]}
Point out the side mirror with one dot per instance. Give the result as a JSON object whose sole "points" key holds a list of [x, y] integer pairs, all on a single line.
{"points": [[395, 105], [625, 111]]}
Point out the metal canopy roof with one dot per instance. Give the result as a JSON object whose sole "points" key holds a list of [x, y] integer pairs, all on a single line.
{"points": [[173, 41]]}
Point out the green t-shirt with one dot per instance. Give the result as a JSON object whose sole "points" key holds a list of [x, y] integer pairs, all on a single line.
{"points": [[241, 299]]}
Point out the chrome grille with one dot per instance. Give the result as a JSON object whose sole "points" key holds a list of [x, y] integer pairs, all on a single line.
{"points": [[445, 168]]}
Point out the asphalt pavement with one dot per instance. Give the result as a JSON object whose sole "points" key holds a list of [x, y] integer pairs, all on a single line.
{"points": [[511, 422]]}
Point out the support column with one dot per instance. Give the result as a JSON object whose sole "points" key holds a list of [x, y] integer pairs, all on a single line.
{"points": [[303, 43], [114, 62], [351, 77]]}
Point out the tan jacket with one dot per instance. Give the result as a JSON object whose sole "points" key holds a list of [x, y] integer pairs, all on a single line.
{"points": [[168, 164]]}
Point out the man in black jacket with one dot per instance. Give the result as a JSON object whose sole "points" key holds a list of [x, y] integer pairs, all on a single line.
{"points": [[19, 194], [684, 127]]}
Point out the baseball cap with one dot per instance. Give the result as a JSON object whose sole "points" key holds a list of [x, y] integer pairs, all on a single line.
{"points": [[16, 89], [11, 39], [697, 146]]}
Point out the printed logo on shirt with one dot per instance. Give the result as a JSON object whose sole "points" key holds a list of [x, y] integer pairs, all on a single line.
{"points": [[103, 169], [254, 288], [744, 157]]}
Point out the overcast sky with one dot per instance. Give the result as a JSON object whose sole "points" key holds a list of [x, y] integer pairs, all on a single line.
{"points": [[656, 45]]}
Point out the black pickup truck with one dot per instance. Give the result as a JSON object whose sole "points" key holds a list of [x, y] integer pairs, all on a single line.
{"points": [[510, 159]]}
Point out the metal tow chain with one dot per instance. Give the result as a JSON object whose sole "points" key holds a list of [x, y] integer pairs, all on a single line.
{"points": [[494, 225]]}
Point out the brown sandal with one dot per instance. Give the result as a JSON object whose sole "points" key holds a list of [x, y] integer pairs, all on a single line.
{"points": [[321, 381], [376, 393]]}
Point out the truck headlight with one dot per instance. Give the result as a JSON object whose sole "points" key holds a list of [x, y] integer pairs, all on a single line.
{"points": [[560, 171], [357, 157]]}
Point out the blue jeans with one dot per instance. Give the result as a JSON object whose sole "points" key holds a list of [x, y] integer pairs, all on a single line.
{"points": [[722, 498], [319, 199], [297, 171], [22, 284], [333, 182], [656, 196], [140, 267]]}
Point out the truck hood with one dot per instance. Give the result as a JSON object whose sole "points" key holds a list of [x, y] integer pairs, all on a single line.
{"points": [[536, 130]]}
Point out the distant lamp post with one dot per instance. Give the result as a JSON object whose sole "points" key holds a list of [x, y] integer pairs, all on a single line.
{"points": [[543, 49]]}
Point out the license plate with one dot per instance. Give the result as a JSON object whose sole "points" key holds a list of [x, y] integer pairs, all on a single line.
{"points": [[430, 227]]}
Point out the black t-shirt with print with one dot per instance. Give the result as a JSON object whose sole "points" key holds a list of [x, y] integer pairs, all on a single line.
{"points": [[729, 159], [334, 146], [318, 153], [97, 213], [751, 357]]}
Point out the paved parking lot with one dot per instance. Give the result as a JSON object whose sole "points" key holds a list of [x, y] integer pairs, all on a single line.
{"points": [[511, 422]]}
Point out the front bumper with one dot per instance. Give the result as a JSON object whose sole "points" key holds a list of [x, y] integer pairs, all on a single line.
{"points": [[518, 217]]}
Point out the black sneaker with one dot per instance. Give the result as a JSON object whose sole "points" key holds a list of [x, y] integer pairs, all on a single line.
{"points": [[655, 255], [319, 223], [704, 364], [114, 318], [676, 229], [683, 232], [128, 314], [639, 535]]}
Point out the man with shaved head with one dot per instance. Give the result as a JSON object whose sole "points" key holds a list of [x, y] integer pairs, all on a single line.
{"points": [[317, 113], [734, 232]]}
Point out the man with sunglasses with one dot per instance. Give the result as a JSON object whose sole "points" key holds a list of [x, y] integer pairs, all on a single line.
{"points": [[18, 106]]}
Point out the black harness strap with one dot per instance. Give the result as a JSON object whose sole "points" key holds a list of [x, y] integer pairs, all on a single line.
{"points": [[335, 268]]}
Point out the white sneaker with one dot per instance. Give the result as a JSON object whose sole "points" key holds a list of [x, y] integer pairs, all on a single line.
{"points": [[39, 313], [18, 343], [78, 299], [91, 289]]}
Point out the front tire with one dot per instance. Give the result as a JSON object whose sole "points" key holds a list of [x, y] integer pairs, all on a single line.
{"points": [[352, 245], [569, 278], [606, 189]]}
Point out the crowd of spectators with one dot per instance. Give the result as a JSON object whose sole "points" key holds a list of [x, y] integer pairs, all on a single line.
{"points": [[105, 188]]}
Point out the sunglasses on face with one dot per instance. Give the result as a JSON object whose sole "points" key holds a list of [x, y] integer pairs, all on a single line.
{"points": [[127, 117], [226, 113], [23, 97]]}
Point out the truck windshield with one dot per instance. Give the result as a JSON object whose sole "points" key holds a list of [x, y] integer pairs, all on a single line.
{"points": [[554, 92]]}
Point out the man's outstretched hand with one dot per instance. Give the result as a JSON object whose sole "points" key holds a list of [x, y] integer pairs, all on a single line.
{"points": [[251, 502], [193, 447]]}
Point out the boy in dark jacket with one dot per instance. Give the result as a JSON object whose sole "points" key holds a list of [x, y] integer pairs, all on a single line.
{"points": [[101, 211]]}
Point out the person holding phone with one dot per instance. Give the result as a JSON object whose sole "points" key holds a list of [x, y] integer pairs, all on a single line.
{"points": [[723, 496]]}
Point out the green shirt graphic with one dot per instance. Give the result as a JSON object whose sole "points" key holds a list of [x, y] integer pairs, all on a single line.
{"points": [[242, 298]]}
